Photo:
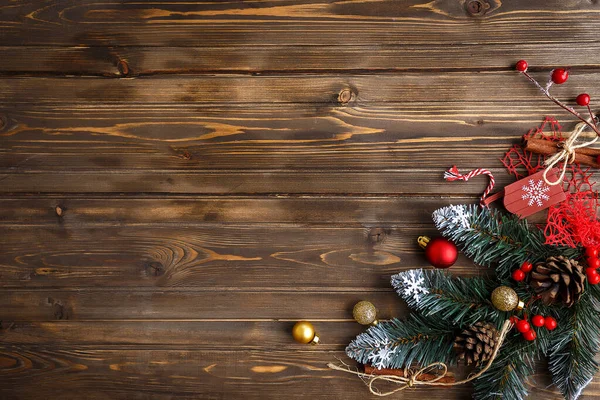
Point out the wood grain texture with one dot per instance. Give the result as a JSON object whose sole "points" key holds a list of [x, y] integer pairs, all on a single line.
{"points": [[182, 181], [77, 211], [80, 137], [166, 374], [314, 22], [258, 256], [103, 59], [501, 86]]}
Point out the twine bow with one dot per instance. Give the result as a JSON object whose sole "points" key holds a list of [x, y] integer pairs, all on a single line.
{"points": [[411, 378], [567, 154]]}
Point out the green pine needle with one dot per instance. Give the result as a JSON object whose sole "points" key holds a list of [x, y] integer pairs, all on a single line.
{"points": [[572, 352], [492, 238], [396, 344], [462, 301]]}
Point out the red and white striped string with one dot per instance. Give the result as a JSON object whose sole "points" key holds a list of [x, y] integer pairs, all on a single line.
{"points": [[453, 175]]}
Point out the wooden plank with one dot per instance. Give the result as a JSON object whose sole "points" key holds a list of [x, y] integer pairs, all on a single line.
{"points": [[75, 372], [191, 138], [234, 183], [188, 211], [504, 86], [250, 334], [213, 258], [116, 61], [317, 22], [194, 303]]}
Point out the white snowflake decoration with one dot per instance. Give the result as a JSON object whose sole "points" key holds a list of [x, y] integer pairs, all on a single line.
{"points": [[453, 215], [381, 354], [535, 192], [413, 285], [459, 216]]}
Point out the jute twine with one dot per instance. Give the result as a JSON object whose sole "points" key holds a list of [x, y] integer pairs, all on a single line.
{"points": [[567, 154], [411, 377]]}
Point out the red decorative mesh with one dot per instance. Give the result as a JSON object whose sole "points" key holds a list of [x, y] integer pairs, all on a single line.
{"points": [[573, 222]]}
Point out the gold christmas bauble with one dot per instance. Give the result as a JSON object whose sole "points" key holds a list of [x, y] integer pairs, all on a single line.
{"points": [[506, 299], [365, 313], [304, 332]]}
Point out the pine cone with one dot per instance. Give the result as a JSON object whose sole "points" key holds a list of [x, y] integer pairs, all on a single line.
{"points": [[475, 344], [558, 279]]}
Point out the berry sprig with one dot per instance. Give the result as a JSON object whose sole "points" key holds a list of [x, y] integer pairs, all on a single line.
{"points": [[524, 327], [520, 274], [593, 263], [559, 76]]}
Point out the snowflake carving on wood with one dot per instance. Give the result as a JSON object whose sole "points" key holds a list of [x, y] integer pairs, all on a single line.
{"points": [[536, 192]]}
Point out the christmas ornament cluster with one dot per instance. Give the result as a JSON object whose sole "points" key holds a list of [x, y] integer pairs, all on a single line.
{"points": [[539, 298]]}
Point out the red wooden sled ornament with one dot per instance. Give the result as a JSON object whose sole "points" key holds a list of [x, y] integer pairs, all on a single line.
{"points": [[530, 195]]}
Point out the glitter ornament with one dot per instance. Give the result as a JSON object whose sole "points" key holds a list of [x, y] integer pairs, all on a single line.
{"points": [[506, 299]]}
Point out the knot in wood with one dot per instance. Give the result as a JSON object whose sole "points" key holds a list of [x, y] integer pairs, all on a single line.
{"points": [[345, 96], [186, 155], [154, 268], [376, 235], [59, 210], [123, 67], [3, 122], [476, 8]]}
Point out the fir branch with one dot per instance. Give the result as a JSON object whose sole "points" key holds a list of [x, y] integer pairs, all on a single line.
{"points": [[572, 352], [462, 301], [506, 378], [492, 238], [396, 344]]}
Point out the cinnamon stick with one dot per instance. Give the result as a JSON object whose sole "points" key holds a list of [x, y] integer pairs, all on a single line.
{"points": [[399, 372], [585, 156]]}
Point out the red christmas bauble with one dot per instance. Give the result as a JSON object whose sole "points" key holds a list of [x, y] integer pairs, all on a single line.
{"points": [[441, 253]]}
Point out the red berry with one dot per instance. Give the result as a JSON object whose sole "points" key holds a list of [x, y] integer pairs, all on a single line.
{"points": [[591, 272], [550, 323], [560, 76], [521, 65], [526, 267], [594, 279], [530, 335], [538, 321], [514, 320], [518, 275], [591, 252], [583, 99], [523, 326], [593, 262]]}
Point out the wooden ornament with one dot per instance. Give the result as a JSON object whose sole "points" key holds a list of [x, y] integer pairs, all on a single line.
{"points": [[531, 194]]}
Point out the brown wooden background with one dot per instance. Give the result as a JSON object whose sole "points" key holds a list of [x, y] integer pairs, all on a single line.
{"points": [[182, 181]]}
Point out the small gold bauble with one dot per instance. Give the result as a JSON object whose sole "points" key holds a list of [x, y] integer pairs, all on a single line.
{"points": [[365, 313], [304, 332], [506, 299]]}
